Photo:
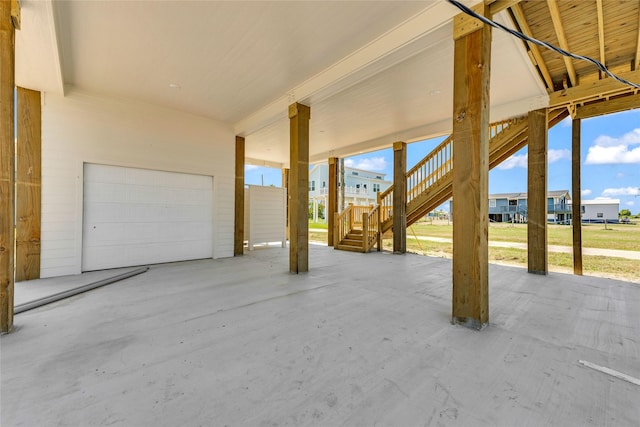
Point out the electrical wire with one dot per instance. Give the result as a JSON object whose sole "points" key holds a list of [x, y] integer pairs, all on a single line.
{"points": [[521, 36]]}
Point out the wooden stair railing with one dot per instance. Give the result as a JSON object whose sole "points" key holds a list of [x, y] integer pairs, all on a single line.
{"points": [[356, 228], [430, 182]]}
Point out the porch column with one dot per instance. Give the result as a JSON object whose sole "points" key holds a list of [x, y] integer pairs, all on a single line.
{"points": [[576, 210], [285, 186], [399, 197], [332, 204], [537, 192], [238, 240], [299, 116], [315, 210], [7, 162], [28, 185], [471, 75]]}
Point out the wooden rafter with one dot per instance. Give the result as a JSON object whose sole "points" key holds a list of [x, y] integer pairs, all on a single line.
{"points": [[556, 19], [594, 90], [496, 6], [636, 62], [518, 14], [601, 34]]}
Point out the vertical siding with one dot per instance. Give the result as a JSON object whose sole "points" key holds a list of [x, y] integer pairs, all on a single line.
{"points": [[267, 215], [83, 128]]}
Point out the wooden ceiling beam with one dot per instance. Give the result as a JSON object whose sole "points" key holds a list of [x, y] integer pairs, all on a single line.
{"points": [[636, 62], [518, 14], [594, 90], [609, 106], [496, 6], [601, 35], [556, 19]]}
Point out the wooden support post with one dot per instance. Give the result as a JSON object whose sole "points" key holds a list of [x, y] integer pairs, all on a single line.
{"points": [[299, 116], [238, 239], [28, 185], [7, 164], [399, 197], [332, 205], [537, 192], [471, 76], [576, 208], [285, 185]]}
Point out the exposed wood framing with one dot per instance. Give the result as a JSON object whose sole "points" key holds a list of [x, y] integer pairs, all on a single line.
{"points": [[7, 162], [500, 5], [593, 90], [608, 106], [332, 203], [399, 197], [601, 34], [285, 185], [518, 15], [636, 62], [471, 78], [537, 192], [562, 39], [299, 116], [576, 211], [238, 235], [28, 185]]}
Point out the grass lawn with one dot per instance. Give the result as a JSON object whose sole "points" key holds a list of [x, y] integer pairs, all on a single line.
{"points": [[625, 237], [617, 236]]}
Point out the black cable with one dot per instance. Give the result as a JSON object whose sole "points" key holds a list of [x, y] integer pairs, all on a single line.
{"points": [[521, 36]]}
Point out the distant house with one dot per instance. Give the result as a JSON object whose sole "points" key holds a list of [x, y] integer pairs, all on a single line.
{"points": [[512, 207], [600, 210], [361, 186]]}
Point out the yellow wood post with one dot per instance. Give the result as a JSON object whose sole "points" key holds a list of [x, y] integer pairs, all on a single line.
{"points": [[399, 197], [285, 185], [299, 116], [28, 185], [365, 232], [7, 164], [537, 192], [576, 208], [238, 240], [332, 205], [471, 76]]}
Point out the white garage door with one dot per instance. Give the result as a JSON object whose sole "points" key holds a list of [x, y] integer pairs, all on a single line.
{"points": [[137, 216]]}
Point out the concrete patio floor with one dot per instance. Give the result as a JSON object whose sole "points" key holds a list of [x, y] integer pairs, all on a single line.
{"points": [[359, 340]]}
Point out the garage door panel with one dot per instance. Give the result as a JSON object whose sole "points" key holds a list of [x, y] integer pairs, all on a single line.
{"points": [[138, 216]]}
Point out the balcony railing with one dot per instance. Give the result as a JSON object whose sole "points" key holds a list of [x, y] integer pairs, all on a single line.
{"points": [[348, 191]]}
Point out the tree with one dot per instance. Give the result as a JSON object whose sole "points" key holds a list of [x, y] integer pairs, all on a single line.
{"points": [[625, 212]]}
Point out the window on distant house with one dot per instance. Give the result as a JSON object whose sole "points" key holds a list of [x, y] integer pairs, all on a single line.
{"points": [[364, 186], [324, 184], [376, 188], [378, 177], [357, 185], [492, 203], [600, 215], [312, 187], [354, 173]]}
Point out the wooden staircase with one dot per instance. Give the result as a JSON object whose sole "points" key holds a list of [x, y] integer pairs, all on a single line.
{"points": [[429, 184]]}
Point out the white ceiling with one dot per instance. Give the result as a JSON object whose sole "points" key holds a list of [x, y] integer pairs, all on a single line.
{"points": [[372, 72]]}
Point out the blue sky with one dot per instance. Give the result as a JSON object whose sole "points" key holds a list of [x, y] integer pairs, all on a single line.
{"points": [[610, 161]]}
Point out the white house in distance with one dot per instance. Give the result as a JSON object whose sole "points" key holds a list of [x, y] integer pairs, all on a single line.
{"points": [[600, 210], [361, 186]]}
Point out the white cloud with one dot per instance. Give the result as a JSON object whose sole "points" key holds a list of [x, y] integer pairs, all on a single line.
{"points": [[611, 150], [567, 122], [520, 160], [515, 161], [629, 138], [555, 155], [250, 167], [371, 164], [628, 191], [599, 155], [619, 175], [630, 203], [586, 192]]}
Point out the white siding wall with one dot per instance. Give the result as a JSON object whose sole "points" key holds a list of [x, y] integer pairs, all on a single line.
{"points": [[608, 211], [265, 212], [83, 128]]}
